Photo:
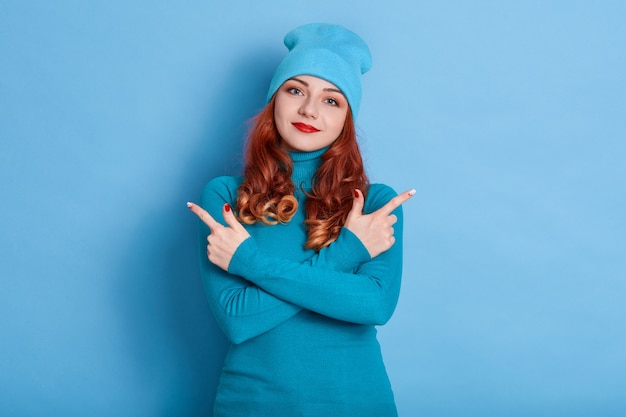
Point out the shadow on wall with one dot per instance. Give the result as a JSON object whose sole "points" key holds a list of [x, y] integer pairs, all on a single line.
{"points": [[175, 344]]}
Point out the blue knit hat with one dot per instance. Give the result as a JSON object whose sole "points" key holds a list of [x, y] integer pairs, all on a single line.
{"points": [[330, 52]]}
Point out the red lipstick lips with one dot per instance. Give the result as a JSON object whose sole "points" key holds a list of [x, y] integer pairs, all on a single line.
{"points": [[303, 127]]}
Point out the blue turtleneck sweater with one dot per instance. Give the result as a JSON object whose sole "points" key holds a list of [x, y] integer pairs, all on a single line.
{"points": [[301, 323]]}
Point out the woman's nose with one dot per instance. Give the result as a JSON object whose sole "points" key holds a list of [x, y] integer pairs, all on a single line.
{"points": [[308, 108]]}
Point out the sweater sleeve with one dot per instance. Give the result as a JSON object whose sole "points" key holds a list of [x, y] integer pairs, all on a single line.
{"points": [[241, 309], [367, 294]]}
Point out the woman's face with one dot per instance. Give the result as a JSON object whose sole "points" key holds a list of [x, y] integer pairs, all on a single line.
{"points": [[309, 113]]}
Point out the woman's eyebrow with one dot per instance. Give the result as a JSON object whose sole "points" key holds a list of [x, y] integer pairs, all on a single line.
{"points": [[300, 81], [333, 90]]}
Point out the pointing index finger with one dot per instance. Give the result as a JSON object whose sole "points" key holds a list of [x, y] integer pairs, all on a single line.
{"points": [[203, 215], [397, 201]]}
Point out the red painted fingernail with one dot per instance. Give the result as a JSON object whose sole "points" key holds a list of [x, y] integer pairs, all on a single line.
{"points": [[227, 207], [356, 193]]}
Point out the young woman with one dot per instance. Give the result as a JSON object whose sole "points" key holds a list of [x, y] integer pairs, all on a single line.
{"points": [[304, 256]]}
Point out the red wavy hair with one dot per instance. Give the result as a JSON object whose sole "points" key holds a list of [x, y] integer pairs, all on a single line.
{"points": [[267, 192]]}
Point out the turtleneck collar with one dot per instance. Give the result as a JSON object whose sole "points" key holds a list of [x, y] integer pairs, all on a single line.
{"points": [[304, 166]]}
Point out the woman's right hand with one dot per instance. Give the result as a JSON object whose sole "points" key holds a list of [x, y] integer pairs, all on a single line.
{"points": [[375, 230], [223, 240]]}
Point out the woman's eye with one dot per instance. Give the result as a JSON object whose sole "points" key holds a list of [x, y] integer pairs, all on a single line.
{"points": [[294, 90], [332, 102]]}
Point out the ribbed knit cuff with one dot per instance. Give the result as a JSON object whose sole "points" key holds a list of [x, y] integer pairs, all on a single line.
{"points": [[347, 252], [242, 262]]}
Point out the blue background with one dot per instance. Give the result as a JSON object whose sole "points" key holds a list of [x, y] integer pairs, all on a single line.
{"points": [[508, 117]]}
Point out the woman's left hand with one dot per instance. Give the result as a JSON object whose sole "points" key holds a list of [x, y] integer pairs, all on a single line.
{"points": [[375, 230], [223, 240]]}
